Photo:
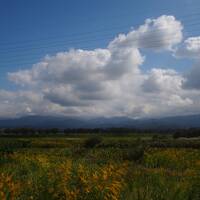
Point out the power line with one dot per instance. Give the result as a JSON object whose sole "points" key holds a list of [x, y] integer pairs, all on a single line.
{"points": [[74, 35], [152, 43], [125, 14], [72, 42], [63, 45]]}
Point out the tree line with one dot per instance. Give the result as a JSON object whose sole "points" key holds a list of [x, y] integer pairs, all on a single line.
{"points": [[26, 131], [187, 133]]}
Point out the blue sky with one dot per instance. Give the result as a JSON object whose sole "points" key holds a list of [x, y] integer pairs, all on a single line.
{"points": [[30, 30]]}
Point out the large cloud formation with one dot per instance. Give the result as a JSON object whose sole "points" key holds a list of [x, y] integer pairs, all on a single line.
{"points": [[156, 34], [107, 82], [191, 49], [192, 80]]}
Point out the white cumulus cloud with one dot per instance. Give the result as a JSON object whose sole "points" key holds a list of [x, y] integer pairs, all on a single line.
{"points": [[156, 34], [162, 80], [105, 82], [189, 49]]}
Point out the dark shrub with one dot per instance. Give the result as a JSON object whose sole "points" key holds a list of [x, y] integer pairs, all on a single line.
{"points": [[92, 142], [10, 146], [155, 137], [6, 151], [136, 154]]}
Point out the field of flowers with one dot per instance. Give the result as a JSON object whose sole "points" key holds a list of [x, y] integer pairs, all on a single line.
{"points": [[66, 169]]}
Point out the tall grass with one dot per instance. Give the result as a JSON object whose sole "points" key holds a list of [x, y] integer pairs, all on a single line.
{"points": [[70, 171]]}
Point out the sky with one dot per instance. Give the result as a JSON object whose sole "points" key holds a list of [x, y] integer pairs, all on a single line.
{"points": [[92, 58]]}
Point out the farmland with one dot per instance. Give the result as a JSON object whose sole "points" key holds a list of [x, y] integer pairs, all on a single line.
{"points": [[89, 167]]}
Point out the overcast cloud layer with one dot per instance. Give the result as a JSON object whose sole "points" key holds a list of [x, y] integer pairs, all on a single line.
{"points": [[110, 82]]}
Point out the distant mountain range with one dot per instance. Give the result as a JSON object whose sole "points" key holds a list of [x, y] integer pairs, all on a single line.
{"points": [[192, 121]]}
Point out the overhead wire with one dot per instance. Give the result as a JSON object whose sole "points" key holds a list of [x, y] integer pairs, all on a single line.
{"points": [[23, 50]]}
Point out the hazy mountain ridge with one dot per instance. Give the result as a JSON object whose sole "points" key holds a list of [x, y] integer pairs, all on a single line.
{"points": [[102, 122]]}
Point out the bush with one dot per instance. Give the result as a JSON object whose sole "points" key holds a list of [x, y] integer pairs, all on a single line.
{"points": [[135, 154], [10, 146], [92, 142]]}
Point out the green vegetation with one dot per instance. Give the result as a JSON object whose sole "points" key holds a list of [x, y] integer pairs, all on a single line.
{"points": [[89, 167]]}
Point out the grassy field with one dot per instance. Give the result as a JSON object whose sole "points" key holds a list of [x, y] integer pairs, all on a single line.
{"points": [[85, 167]]}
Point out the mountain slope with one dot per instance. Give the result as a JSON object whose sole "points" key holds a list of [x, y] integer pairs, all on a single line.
{"points": [[71, 122]]}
